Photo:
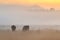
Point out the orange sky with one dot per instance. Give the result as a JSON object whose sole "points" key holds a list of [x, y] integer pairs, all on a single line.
{"points": [[43, 3]]}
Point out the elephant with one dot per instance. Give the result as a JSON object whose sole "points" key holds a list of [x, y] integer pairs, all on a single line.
{"points": [[13, 27], [26, 28]]}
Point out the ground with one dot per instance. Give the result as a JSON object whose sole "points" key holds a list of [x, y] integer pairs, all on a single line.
{"points": [[31, 35]]}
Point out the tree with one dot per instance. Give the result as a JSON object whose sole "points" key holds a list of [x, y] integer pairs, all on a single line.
{"points": [[52, 9]]}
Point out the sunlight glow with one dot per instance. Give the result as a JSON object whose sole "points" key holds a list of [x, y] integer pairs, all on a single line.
{"points": [[43, 3]]}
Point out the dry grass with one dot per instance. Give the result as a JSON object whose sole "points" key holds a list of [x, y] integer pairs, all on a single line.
{"points": [[31, 35]]}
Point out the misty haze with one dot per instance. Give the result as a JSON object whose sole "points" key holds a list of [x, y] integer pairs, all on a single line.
{"points": [[19, 22], [29, 15]]}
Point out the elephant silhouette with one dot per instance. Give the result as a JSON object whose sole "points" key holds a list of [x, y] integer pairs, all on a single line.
{"points": [[26, 28], [13, 27]]}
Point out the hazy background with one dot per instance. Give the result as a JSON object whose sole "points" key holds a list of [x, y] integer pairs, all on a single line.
{"points": [[31, 15], [28, 15]]}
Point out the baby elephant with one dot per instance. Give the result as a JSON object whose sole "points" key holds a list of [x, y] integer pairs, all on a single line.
{"points": [[26, 28], [13, 27]]}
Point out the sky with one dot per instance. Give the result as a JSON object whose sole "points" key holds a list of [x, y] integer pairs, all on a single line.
{"points": [[12, 13], [43, 3], [21, 15]]}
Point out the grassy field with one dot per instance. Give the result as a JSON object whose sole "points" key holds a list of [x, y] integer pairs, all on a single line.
{"points": [[31, 35]]}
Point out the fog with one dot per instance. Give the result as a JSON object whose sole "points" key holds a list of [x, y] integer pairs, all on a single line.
{"points": [[28, 15]]}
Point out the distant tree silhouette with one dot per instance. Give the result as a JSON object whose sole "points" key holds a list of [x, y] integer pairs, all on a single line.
{"points": [[26, 28], [13, 27], [52, 9]]}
